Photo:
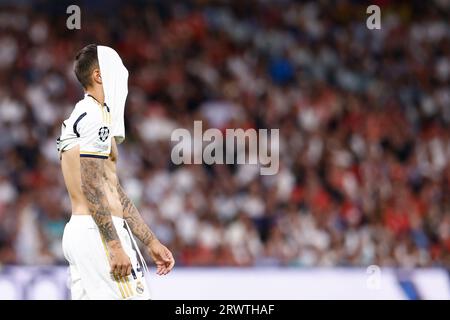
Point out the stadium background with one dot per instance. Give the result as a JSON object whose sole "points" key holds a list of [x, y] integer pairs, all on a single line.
{"points": [[364, 146]]}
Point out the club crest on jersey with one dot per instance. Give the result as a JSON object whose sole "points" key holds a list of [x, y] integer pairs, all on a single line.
{"points": [[139, 287], [103, 133]]}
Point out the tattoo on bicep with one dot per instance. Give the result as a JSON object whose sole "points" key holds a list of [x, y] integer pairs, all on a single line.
{"points": [[134, 219], [92, 171]]}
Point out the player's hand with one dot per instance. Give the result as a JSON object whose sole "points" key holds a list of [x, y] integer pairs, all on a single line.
{"points": [[162, 257], [119, 260]]}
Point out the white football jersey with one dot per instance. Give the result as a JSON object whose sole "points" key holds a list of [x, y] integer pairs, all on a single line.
{"points": [[89, 126]]}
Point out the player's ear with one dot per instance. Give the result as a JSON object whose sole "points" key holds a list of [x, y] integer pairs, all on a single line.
{"points": [[97, 76]]}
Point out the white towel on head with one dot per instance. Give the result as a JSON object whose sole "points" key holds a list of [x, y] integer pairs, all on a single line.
{"points": [[115, 87]]}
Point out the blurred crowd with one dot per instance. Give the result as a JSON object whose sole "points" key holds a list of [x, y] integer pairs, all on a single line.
{"points": [[364, 118]]}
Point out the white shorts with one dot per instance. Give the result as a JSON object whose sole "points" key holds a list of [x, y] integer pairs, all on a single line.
{"points": [[87, 254]]}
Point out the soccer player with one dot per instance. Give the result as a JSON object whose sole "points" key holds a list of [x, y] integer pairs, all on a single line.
{"points": [[104, 260]]}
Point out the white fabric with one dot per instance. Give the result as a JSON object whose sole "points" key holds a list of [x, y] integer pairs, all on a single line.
{"points": [[141, 258], [90, 277], [115, 87], [89, 126]]}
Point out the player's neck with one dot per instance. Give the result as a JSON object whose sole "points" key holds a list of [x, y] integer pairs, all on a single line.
{"points": [[97, 95]]}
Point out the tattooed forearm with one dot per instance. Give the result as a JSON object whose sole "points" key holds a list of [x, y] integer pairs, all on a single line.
{"points": [[134, 219], [92, 171]]}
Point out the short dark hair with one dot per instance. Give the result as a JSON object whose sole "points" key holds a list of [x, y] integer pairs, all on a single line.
{"points": [[85, 61]]}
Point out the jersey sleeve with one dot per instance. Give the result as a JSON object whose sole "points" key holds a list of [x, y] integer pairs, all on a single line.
{"points": [[86, 129]]}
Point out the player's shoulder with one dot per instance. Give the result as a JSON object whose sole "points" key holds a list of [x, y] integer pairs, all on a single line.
{"points": [[83, 108], [84, 105]]}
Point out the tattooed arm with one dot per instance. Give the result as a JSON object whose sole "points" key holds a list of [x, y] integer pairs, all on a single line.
{"points": [[159, 253], [134, 219], [92, 185]]}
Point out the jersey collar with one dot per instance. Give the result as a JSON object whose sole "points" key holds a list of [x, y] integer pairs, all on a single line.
{"points": [[89, 95]]}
